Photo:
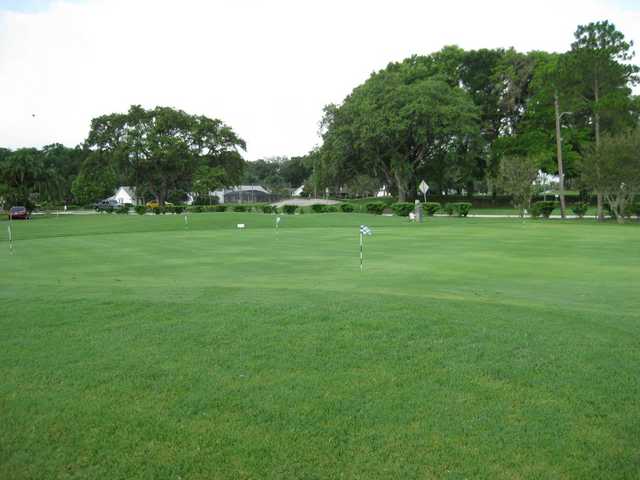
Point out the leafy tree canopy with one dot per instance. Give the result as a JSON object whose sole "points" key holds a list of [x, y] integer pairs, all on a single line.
{"points": [[159, 150]]}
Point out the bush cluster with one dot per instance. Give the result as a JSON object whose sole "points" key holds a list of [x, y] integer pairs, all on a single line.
{"points": [[461, 209], [403, 209], [347, 207], [431, 208], [289, 209], [318, 208], [448, 208], [141, 209], [543, 209], [206, 208], [247, 207], [580, 209], [375, 207]]}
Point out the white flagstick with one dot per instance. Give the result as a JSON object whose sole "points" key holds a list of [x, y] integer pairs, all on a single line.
{"points": [[10, 239], [361, 242]]}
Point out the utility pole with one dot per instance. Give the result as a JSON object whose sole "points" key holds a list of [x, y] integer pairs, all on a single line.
{"points": [[559, 115]]}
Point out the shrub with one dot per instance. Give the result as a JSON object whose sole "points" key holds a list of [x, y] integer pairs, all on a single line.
{"points": [[219, 208], [462, 208], [431, 208], [544, 208], [239, 208], [332, 209], [375, 207], [449, 208], [178, 209], [158, 210], [122, 210], [141, 209], [580, 209], [318, 208], [634, 209], [204, 201], [289, 209], [535, 210], [267, 209], [347, 207], [403, 209]]}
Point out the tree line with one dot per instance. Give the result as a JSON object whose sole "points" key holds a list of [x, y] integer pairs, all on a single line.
{"points": [[458, 119], [164, 153], [469, 121]]}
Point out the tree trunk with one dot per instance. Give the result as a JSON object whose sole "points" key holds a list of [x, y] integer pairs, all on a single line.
{"points": [[617, 204], [596, 122], [556, 104], [402, 191]]}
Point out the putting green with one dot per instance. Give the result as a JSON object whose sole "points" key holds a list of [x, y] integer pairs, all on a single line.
{"points": [[143, 347]]}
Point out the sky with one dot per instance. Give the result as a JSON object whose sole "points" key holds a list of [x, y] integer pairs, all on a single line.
{"points": [[265, 68]]}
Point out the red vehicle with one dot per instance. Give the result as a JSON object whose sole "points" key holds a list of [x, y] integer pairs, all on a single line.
{"points": [[19, 213]]}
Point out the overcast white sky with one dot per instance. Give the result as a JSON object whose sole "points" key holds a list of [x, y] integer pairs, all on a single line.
{"points": [[266, 68]]}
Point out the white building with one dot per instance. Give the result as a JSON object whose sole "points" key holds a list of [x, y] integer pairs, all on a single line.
{"points": [[125, 195], [383, 192], [238, 194]]}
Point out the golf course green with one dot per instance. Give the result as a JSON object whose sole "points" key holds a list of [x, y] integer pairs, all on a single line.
{"points": [[140, 347]]}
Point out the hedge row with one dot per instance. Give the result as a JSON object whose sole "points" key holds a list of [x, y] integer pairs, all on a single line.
{"points": [[544, 209], [141, 209], [266, 208], [461, 209]]}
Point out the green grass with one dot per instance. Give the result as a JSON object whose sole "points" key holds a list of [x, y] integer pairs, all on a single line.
{"points": [[137, 347]]}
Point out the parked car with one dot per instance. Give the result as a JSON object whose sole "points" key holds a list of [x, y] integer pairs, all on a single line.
{"points": [[155, 204], [107, 205], [19, 213]]}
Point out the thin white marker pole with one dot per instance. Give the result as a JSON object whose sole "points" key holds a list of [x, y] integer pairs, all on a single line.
{"points": [[10, 239], [361, 242]]}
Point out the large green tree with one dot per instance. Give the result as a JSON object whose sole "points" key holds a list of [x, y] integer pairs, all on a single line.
{"points": [[206, 180], [62, 165], [553, 106], [613, 168], [600, 57], [516, 176], [97, 179], [402, 121], [159, 150], [22, 175]]}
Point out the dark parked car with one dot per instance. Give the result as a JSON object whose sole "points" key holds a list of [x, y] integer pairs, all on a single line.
{"points": [[107, 205], [19, 213]]}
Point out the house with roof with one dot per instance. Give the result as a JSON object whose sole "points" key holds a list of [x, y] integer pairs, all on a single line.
{"points": [[238, 194], [126, 195], [245, 194]]}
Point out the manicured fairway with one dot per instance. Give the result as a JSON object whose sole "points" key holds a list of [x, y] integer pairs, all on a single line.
{"points": [[139, 347]]}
